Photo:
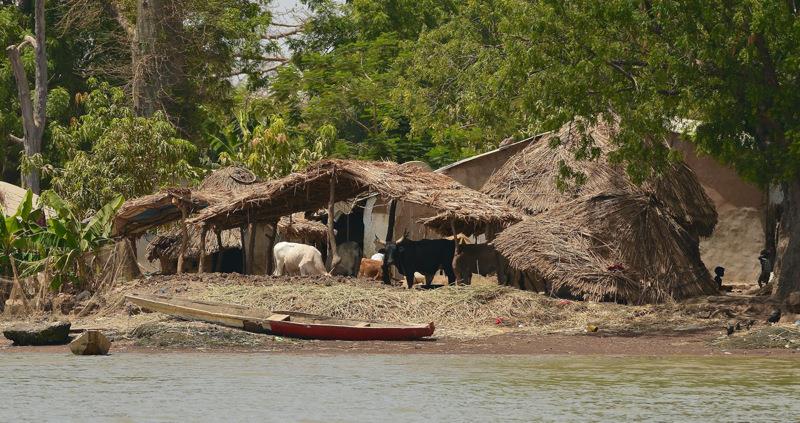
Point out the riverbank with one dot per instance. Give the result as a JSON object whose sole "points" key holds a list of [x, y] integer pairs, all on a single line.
{"points": [[483, 318]]}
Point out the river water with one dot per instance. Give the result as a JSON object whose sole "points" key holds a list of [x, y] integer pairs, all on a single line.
{"points": [[181, 387]]}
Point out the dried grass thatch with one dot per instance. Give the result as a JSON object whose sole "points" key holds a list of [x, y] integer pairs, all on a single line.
{"points": [[299, 228], [168, 245], [137, 215], [618, 246], [469, 210], [529, 179]]}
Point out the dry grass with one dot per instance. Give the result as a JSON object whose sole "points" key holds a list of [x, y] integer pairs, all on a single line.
{"points": [[618, 245], [480, 310]]}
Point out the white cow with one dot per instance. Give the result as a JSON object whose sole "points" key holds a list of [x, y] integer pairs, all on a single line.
{"points": [[297, 259], [350, 255]]}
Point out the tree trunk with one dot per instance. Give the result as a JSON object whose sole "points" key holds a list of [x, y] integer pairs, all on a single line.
{"points": [[332, 254], [33, 112], [787, 267], [149, 56]]}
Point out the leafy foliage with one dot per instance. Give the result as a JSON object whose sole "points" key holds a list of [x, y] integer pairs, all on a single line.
{"points": [[108, 151]]}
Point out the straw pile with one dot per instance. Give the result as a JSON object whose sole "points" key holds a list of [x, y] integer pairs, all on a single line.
{"points": [[460, 312], [299, 228], [619, 247], [469, 210]]}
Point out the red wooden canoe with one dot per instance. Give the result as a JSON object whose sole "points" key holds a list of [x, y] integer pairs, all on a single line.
{"points": [[309, 326]]}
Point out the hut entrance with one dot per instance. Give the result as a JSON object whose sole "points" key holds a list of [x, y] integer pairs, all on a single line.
{"points": [[228, 261], [350, 227]]}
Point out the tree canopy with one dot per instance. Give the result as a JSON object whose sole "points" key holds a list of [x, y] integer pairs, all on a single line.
{"points": [[192, 85]]}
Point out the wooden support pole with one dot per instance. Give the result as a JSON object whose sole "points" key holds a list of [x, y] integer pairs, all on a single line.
{"points": [[202, 263], [334, 257], [242, 242], [218, 233], [251, 248], [272, 232], [390, 228], [184, 238]]}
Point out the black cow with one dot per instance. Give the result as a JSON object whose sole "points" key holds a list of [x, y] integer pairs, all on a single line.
{"points": [[425, 256]]}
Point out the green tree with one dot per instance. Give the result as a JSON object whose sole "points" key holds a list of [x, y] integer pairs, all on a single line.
{"points": [[108, 151], [344, 70], [731, 65]]}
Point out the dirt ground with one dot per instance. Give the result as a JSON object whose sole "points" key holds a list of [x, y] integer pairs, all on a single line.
{"points": [[483, 318]]}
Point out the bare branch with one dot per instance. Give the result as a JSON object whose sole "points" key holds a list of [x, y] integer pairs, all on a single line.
{"points": [[113, 9], [287, 25], [16, 139], [280, 35]]}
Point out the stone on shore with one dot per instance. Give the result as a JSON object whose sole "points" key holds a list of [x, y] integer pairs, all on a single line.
{"points": [[49, 333]]}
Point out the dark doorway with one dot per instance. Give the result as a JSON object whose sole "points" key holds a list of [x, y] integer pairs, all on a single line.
{"points": [[231, 261], [350, 227]]}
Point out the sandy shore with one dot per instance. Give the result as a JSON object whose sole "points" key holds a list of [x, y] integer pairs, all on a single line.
{"points": [[677, 344], [470, 320]]}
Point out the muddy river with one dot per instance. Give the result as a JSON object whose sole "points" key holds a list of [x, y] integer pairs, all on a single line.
{"points": [[181, 387]]}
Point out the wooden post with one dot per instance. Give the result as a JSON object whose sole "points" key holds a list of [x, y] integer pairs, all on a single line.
{"points": [[202, 261], [242, 243], [390, 228], [251, 248], [334, 257], [218, 233], [272, 232], [184, 238]]}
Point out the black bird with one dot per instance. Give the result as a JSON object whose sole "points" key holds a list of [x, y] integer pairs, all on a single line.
{"points": [[729, 329], [748, 324], [774, 317]]}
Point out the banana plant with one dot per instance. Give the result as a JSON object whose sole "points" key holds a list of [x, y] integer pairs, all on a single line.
{"points": [[17, 233], [66, 240]]}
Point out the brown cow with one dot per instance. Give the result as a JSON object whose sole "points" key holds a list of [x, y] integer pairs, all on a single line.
{"points": [[370, 269], [474, 258]]}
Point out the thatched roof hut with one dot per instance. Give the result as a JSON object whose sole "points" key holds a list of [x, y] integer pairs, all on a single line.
{"points": [[530, 179], [616, 246], [138, 215], [607, 238], [452, 203], [167, 245]]}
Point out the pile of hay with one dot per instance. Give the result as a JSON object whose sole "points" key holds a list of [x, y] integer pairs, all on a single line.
{"points": [[458, 312], [612, 247], [778, 336]]}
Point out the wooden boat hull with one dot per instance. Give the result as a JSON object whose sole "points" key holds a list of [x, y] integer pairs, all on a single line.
{"points": [[231, 315], [349, 333], [90, 342], [282, 323]]}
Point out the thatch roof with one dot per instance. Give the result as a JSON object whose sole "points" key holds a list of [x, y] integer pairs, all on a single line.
{"points": [[529, 179], [298, 227], [308, 191], [140, 214], [168, 245], [137, 215], [616, 246]]}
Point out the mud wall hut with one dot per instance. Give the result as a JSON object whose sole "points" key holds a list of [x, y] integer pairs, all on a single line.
{"points": [[605, 239], [740, 235]]}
